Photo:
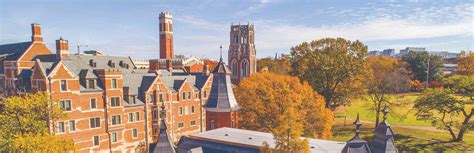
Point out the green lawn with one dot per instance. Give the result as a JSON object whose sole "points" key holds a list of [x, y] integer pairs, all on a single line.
{"points": [[406, 139]]}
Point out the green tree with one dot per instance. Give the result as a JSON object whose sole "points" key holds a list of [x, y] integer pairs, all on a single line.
{"points": [[24, 125], [384, 77], [418, 63], [284, 106], [444, 110], [331, 66]]}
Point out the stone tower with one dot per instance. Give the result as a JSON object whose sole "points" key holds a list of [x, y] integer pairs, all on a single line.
{"points": [[242, 53], [166, 36], [221, 107]]}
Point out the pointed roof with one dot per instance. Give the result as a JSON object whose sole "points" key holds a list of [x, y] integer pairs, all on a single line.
{"points": [[222, 97], [165, 142], [383, 139], [356, 144]]}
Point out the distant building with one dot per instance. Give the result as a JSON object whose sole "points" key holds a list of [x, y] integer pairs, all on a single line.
{"points": [[141, 64], [388, 52], [375, 53], [405, 51], [449, 69], [93, 53], [444, 54]]}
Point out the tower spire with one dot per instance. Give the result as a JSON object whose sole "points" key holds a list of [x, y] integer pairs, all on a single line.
{"points": [[221, 52]]}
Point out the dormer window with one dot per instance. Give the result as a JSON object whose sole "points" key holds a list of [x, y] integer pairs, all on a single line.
{"points": [[111, 64], [92, 63], [121, 64], [90, 84], [132, 99]]}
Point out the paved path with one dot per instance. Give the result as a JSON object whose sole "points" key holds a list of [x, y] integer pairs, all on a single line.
{"points": [[426, 128]]}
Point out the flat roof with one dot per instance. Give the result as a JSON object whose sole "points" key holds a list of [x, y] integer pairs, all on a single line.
{"points": [[255, 139]]}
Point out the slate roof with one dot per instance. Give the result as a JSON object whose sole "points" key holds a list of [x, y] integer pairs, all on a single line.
{"points": [[222, 97], [165, 142], [356, 144], [383, 140], [239, 140], [13, 51]]}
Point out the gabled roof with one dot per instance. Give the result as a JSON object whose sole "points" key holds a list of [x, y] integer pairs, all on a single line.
{"points": [[14, 51], [222, 97], [383, 139]]}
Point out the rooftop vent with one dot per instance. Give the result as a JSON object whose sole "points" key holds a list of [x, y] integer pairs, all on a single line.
{"points": [[92, 63], [226, 134], [111, 64], [250, 138]]}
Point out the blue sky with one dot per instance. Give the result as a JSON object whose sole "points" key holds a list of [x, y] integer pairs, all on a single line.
{"points": [[130, 28]]}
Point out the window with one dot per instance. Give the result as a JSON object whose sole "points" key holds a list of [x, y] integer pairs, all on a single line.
{"points": [[192, 109], [72, 125], [94, 122], [137, 116], [189, 95], [184, 96], [155, 130], [193, 122], [116, 120], [185, 110], [155, 114], [114, 83], [160, 97], [93, 103], [114, 101], [38, 84], [205, 94], [61, 127], [114, 137], [180, 111], [91, 84], [131, 100], [158, 86], [96, 140], [151, 97], [130, 117], [180, 125], [134, 133], [212, 124], [65, 105], [63, 85], [232, 124]]}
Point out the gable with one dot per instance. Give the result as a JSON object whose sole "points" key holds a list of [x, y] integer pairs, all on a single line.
{"points": [[61, 72], [34, 50]]}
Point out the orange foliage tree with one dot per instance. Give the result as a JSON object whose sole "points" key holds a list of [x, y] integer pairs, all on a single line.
{"points": [[282, 105], [466, 63]]}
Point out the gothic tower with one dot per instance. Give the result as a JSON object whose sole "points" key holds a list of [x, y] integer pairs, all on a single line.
{"points": [[221, 107], [166, 36], [242, 53]]}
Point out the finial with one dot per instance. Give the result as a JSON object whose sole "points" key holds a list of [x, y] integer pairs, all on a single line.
{"points": [[385, 111], [61, 38], [357, 123], [221, 52]]}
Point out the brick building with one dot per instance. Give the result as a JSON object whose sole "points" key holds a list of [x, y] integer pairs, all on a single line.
{"points": [[111, 104]]}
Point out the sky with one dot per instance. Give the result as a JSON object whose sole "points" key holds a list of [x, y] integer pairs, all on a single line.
{"points": [[130, 28]]}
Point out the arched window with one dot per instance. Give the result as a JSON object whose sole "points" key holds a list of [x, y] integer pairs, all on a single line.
{"points": [[234, 68], [244, 68]]}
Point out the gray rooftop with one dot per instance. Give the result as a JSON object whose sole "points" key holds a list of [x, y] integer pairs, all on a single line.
{"points": [[13, 51], [222, 97], [242, 137]]}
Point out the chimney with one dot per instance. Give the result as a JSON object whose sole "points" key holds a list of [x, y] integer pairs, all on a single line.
{"points": [[206, 70], [36, 33], [62, 48]]}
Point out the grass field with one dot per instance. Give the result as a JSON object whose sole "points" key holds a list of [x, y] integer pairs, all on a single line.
{"points": [[407, 139]]}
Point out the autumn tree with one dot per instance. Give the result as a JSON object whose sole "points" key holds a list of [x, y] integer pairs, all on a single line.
{"points": [[284, 106], [24, 125], [211, 63], [442, 109], [331, 66], [276, 65], [384, 77], [466, 63], [418, 63]]}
